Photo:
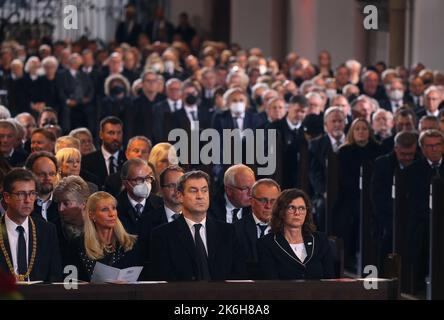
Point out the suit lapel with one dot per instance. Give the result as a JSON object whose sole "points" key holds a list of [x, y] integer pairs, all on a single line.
{"points": [[213, 240], [251, 230], [309, 243], [185, 237]]}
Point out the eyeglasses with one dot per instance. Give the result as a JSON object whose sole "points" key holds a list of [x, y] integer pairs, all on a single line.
{"points": [[264, 201], [22, 195], [432, 146], [140, 180], [241, 189], [170, 186], [292, 209]]}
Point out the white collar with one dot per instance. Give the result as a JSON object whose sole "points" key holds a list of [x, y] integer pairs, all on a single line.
{"points": [[292, 126], [333, 140], [45, 202], [241, 116], [228, 205], [11, 226], [190, 108], [257, 221], [172, 102], [431, 163], [170, 213], [134, 202], [107, 155], [191, 223], [12, 152], [435, 114]]}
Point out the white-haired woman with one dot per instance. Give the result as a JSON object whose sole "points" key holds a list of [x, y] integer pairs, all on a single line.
{"points": [[105, 239], [69, 163]]}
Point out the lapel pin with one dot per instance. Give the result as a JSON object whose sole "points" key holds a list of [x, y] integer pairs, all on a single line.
{"points": [[310, 243]]}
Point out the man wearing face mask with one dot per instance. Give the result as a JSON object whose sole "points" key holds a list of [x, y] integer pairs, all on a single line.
{"points": [[116, 101], [138, 200], [396, 97]]}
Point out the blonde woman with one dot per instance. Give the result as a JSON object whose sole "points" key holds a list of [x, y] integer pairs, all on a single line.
{"points": [[162, 156], [105, 239], [69, 163]]}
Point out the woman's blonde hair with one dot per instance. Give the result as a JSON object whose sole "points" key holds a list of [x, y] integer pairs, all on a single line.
{"points": [[158, 152], [94, 248], [64, 155]]}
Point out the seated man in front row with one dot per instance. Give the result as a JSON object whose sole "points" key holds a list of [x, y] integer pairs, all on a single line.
{"points": [[29, 247], [196, 246]]}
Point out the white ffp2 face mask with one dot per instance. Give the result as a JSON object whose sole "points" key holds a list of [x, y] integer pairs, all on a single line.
{"points": [[142, 190], [237, 107]]}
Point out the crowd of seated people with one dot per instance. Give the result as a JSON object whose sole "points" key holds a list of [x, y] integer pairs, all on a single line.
{"points": [[89, 172]]}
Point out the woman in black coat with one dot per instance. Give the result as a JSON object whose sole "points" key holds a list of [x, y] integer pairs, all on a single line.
{"points": [[360, 148], [294, 250]]}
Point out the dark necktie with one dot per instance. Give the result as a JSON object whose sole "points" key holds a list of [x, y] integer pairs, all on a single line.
{"points": [[175, 216], [202, 259], [175, 105], [194, 115], [139, 208], [435, 168], [21, 251], [262, 228], [112, 169], [235, 217]]}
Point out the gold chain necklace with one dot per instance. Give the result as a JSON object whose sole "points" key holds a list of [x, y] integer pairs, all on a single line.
{"points": [[20, 277]]}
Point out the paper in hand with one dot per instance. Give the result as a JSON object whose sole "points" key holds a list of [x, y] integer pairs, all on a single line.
{"points": [[103, 273]]}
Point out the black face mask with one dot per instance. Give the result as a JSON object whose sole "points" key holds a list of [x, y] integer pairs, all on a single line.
{"points": [[117, 90], [258, 101], [298, 81], [49, 122], [191, 100], [288, 96], [352, 98]]}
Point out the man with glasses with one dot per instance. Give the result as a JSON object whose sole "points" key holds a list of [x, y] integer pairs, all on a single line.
{"points": [[138, 147], [420, 175], [137, 201], [28, 247], [235, 202], [44, 166], [257, 224], [171, 208]]}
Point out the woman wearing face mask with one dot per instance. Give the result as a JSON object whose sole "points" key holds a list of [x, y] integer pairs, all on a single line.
{"points": [[105, 239], [116, 100], [360, 147]]}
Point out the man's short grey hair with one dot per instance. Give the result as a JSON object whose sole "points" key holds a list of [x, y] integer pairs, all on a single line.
{"points": [[135, 162], [353, 63], [72, 188], [313, 95], [78, 131], [8, 125], [427, 118], [51, 60], [4, 112], [388, 71], [379, 111], [333, 109], [29, 62], [431, 133], [24, 114], [258, 86], [139, 138], [430, 89], [230, 174], [172, 81], [66, 142], [267, 182]]}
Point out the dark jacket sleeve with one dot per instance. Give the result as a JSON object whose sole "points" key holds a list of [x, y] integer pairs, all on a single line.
{"points": [[326, 257], [55, 271], [267, 265], [159, 256]]}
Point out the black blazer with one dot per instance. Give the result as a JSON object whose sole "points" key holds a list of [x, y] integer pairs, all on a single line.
{"points": [[164, 121], [159, 216], [18, 158], [246, 231], [113, 184], [174, 253], [217, 208], [277, 260], [95, 163], [319, 148], [47, 264]]}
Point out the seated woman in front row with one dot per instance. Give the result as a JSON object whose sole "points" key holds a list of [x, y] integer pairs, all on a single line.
{"points": [[105, 239], [294, 250]]}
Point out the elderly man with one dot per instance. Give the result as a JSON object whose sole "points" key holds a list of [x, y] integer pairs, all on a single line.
{"points": [[8, 138], [395, 96], [420, 175], [399, 160], [371, 86], [432, 100], [257, 224], [171, 208], [232, 204], [196, 246], [138, 147], [382, 124], [416, 92], [404, 120], [163, 111]]}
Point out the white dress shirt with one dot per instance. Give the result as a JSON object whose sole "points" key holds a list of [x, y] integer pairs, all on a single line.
{"points": [[107, 155], [188, 111], [299, 250], [258, 230], [240, 120], [435, 114], [292, 126], [396, 104], [169, 213], [13, 235], [45, 205], [431, 163], [171, 104], [229, 209], [202, 231], [333, 142]]}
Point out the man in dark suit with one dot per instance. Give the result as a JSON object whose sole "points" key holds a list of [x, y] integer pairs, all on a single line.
{"points": [[404, 120], [416, 92], [257, 224], [29, 246], [371, 86], [420, 175], [323, 149], [382, 180], [137, 201], [432, 100], [289, 138], [195, 246], [8, 138], [138, 147], [233, 202], [159, 29], [109, 158], [396, 97], [171, 208], [141, 112], [163, 111], [127, 31], [209, 83], [76, 93], [44, 166]]}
